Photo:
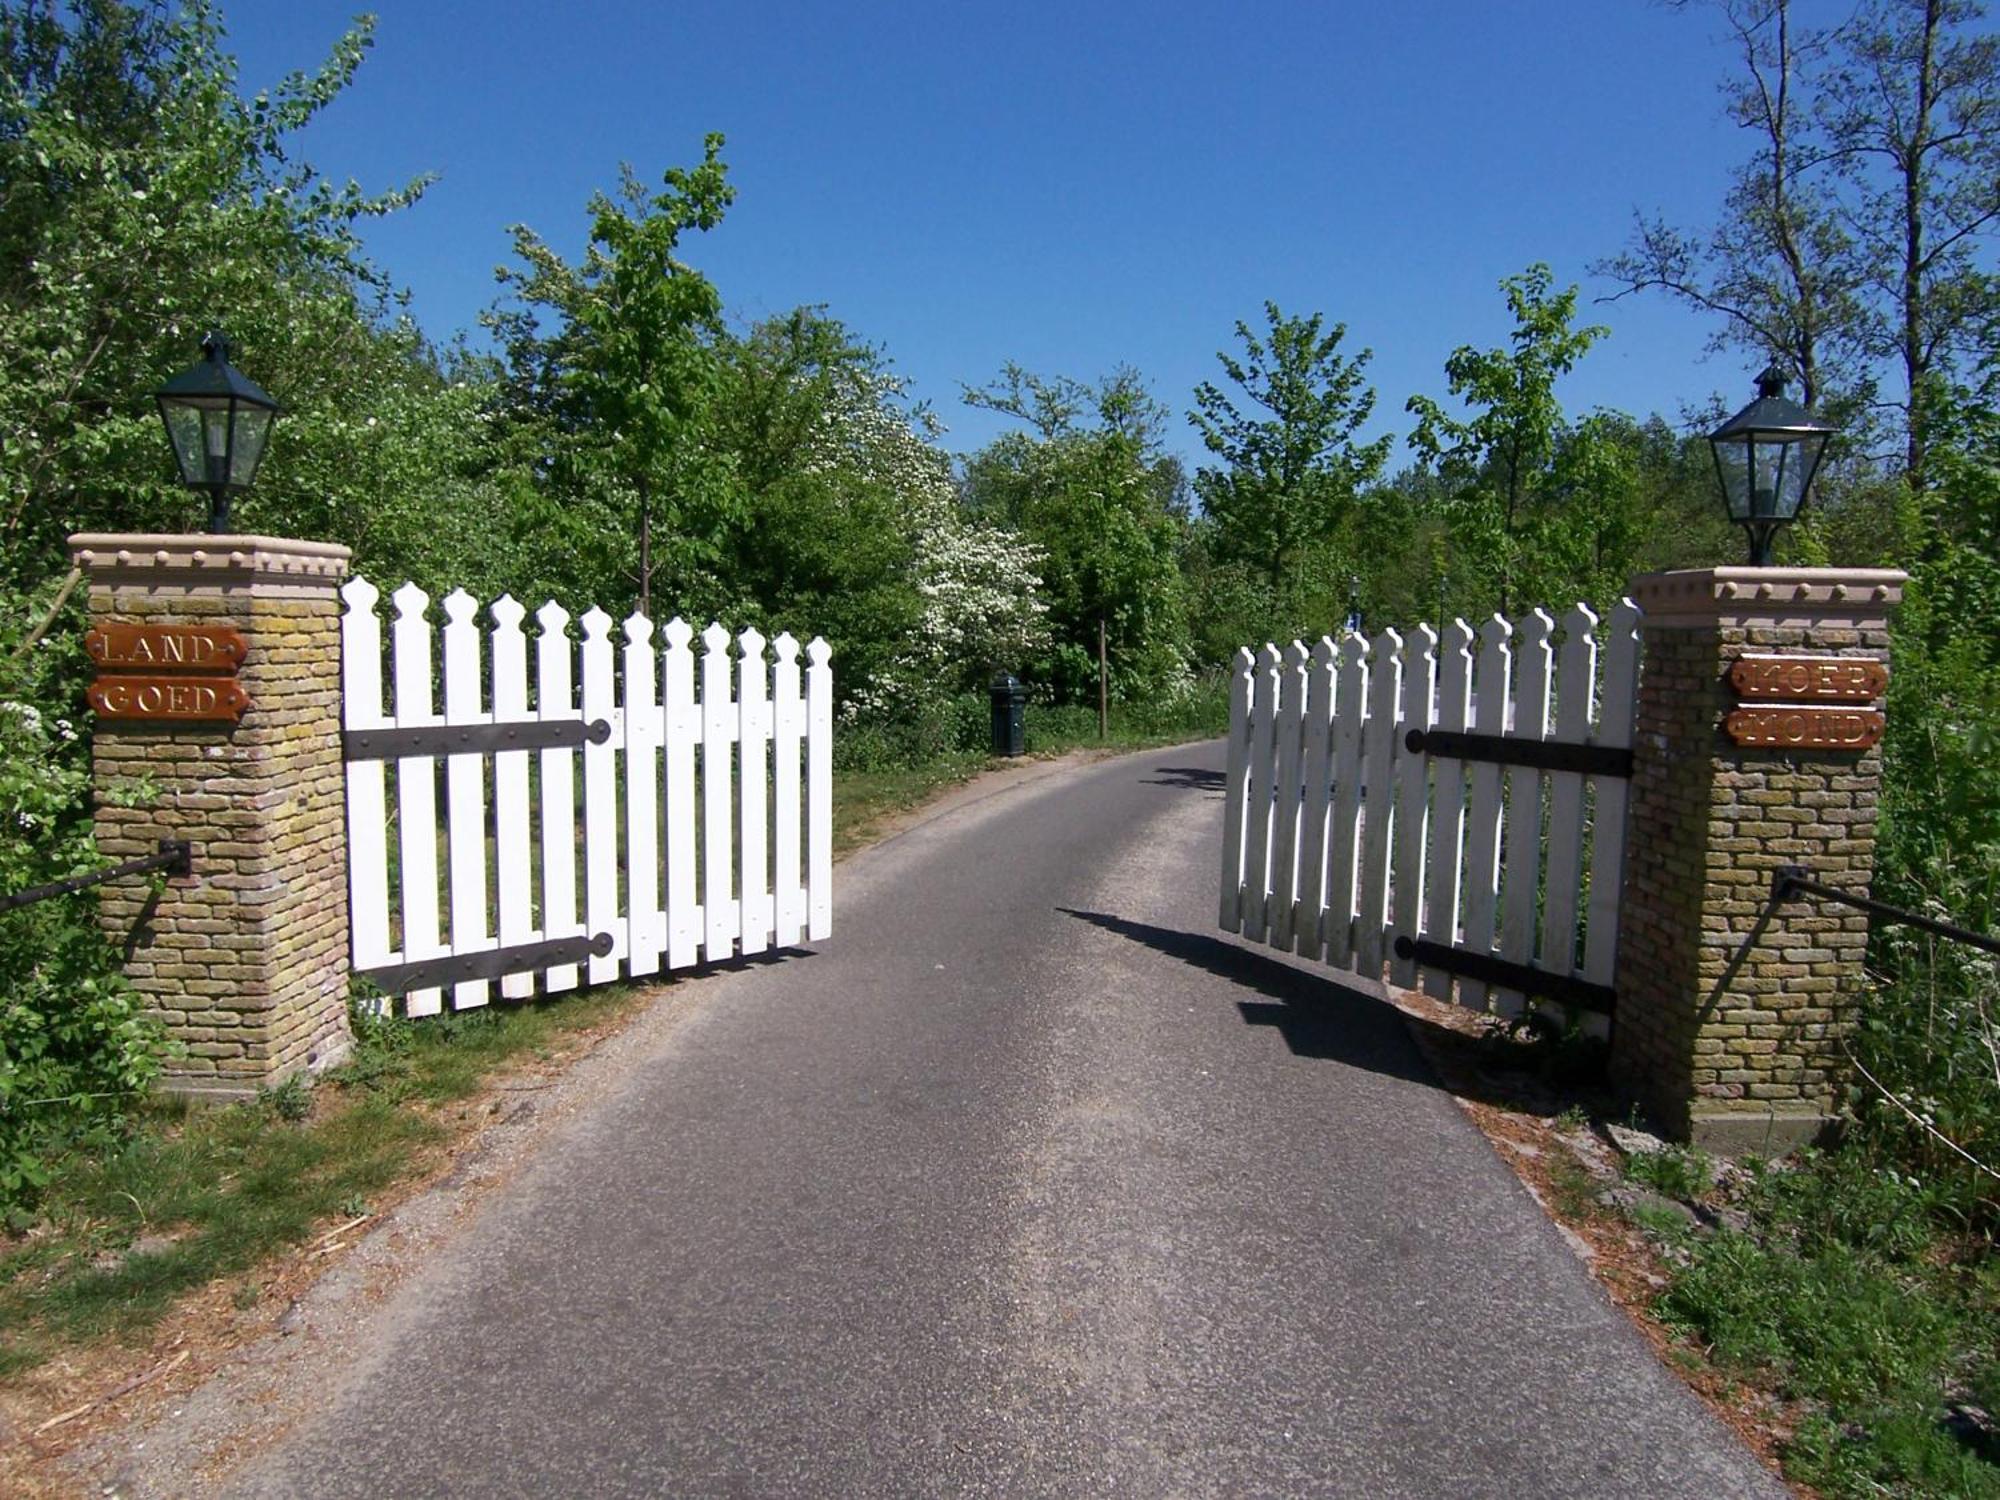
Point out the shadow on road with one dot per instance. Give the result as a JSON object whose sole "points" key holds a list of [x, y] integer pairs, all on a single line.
{"points": [[1317, 1016], [1188, 778]]}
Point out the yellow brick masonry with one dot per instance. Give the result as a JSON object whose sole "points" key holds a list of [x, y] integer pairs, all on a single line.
{"points": [[1731, 1017], [247, 958]]}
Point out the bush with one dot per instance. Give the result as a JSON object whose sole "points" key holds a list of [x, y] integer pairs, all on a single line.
{"points": [[75, 1046]]}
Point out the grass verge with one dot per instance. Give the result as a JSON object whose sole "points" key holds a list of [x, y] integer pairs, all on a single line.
{"points": [[193, 1196]]}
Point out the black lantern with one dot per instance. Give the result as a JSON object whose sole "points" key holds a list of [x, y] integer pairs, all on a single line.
{"points": [[217, 420], [1766, 456]]}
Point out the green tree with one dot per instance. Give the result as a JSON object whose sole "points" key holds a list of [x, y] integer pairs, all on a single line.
{"points": [[142, 200], [1291, 464], [1537, 504], [1089, 486], [611, 403]]}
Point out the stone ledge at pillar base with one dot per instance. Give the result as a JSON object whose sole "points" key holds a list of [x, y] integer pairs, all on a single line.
{"points": [[217, 1090], [1764, 1133]]}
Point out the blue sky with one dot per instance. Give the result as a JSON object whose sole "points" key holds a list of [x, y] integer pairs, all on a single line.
{"points": [[1072, 185]]}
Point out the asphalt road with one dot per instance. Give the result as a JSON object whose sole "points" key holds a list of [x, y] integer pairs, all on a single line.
{"points": [[1028, 1183]]}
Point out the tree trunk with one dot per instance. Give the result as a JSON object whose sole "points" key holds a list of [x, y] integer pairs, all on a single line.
{"points": [[1915, 364], [646, 548]]}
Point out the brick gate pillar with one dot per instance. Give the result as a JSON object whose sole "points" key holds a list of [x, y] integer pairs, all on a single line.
{"points": [[1731, 1014], [246, 958]]}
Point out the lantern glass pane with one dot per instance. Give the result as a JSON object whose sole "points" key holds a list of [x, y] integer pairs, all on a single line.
{"points": [[184, 432], [253, 426], [1733, 464]]}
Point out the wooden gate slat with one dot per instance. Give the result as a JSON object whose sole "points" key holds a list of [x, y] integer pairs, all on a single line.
{"points": [[1259, 795], [1309, 936], [367, 785], [513, 863], [1482, 857], [1413, 812], [788, 730], [1522, 843], [1378, 776], [1350, 693], [1576, 680], [1445, 865], [819, 789], [1235, 798], [416, 794], [1617, 703], [753, 735], [555, 699], [644, 731], [600, 799], [682, 728], [1289, 734]]}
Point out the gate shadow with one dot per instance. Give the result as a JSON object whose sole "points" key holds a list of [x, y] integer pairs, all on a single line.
{"points": [[1317, 1016], [1188, 778], [1321, 1017]]}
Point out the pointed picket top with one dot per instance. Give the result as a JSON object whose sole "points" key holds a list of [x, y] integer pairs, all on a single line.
{"points": [[1423, 640], [1353, 649], [819, 651], [596, 624], [1296, 656], [1622, 623], [360, 595], [552, 617], [1268, 659], [1535, 628], [460, 607], [410, 602], [1458, 636], [716, 638], [752, 643], [1579, 620], [678, 633], [1323, 652], [786, 647], [1388, 644], [507, 612], [638, 629], [1495, 632]]}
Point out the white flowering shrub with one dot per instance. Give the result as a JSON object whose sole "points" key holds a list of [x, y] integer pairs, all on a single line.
{"points": [[982, 605]]}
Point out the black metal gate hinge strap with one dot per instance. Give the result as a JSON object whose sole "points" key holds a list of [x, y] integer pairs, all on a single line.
{"points": [[488, 963], [1488, 968], [473, 739], [1539, 755]]}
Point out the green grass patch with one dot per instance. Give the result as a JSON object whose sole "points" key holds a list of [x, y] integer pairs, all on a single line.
{"points": [[863, 799], [190, 1196], [1848, 1294]]}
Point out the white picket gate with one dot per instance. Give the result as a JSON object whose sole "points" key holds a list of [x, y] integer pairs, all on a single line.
{"points": [[1456, 817], [701, 823]]}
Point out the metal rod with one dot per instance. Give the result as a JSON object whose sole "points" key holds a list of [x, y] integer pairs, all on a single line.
{"points": [[1790, 880], [176, 857]]}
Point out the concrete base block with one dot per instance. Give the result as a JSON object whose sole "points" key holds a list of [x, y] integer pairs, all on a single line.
{"points": [[1765, 1133]]}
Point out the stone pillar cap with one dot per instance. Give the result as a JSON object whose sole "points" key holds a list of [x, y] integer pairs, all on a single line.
{"points": [[1732, 595], [181, 558]]}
